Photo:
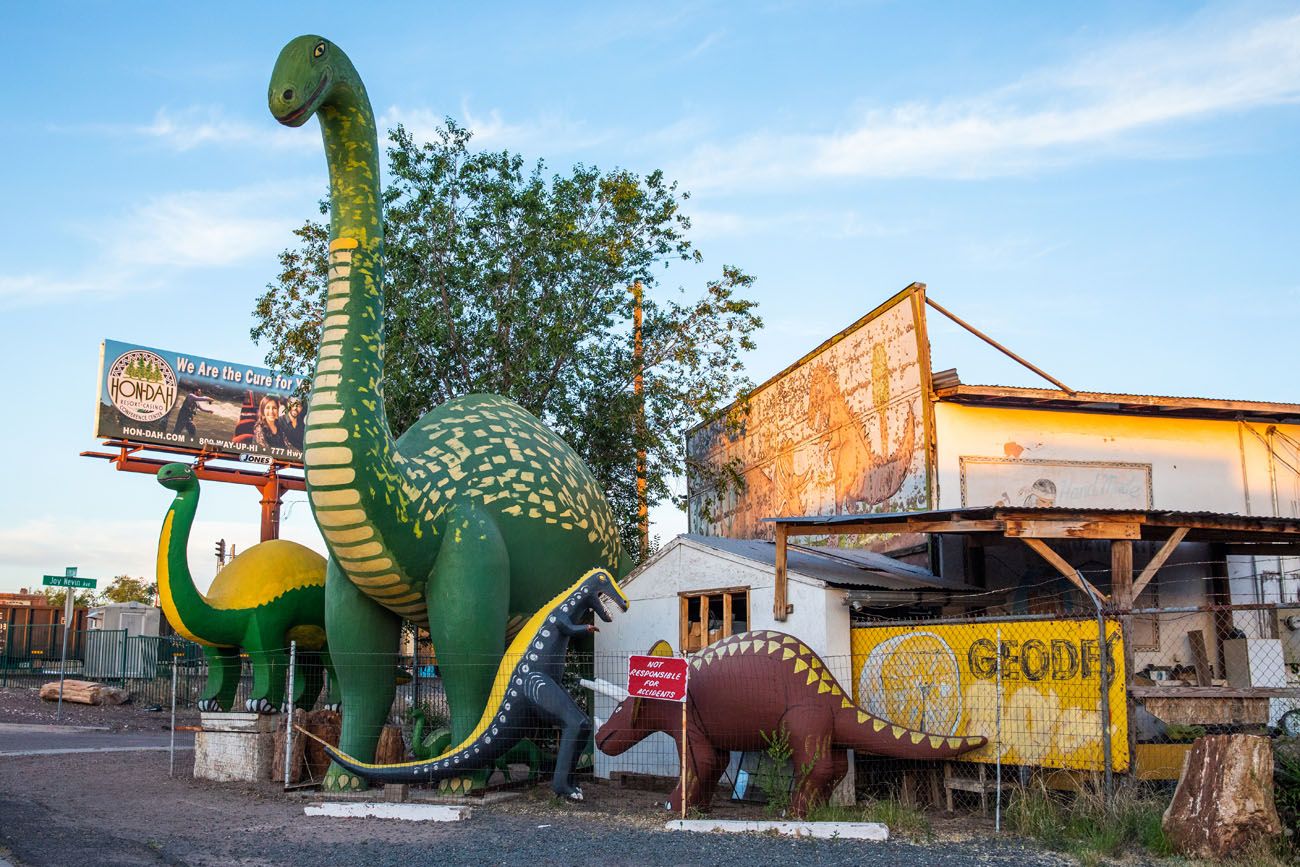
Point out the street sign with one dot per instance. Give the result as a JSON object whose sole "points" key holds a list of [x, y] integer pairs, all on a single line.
{"points": [[661, 677], [69, 581]]}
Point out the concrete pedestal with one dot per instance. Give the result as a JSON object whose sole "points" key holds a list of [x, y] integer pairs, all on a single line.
{"points": [[235, 746]]}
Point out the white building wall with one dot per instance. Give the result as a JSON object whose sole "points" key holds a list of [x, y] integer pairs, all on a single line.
{"points": [[1196, 465], [820, 619]]}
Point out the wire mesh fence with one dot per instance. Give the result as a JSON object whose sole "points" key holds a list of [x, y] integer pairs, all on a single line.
{"points": [[946, 706]]}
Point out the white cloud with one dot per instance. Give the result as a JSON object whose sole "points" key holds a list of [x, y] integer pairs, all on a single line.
{"points": [[544, 136], [169, 234], [1100, 102], [190, 127], [823, 224]]}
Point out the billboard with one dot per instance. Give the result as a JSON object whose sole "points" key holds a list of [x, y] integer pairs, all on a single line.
{"points": [[164, 398], [843, 430], [1046, 689]]}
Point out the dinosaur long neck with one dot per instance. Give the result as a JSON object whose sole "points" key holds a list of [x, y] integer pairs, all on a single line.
{"points": [[357, 487], [186, 609]]}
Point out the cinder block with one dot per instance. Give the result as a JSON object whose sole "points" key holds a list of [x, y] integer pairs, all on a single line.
{"points": [[235, 747]]}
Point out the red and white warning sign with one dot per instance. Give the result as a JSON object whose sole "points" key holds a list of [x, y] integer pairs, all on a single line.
{"points": [[661, 677]]}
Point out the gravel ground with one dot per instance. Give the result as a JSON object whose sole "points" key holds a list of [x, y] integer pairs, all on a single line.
{"points": [[24, 706], [122, 809]]}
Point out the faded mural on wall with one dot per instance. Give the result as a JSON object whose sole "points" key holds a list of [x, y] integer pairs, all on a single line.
{"points": [[842, 431], [988, 481]]}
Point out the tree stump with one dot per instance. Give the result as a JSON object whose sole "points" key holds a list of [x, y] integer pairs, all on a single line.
{"points": [[326, 725], [391, 748], [297, 753], [1224, 798]]}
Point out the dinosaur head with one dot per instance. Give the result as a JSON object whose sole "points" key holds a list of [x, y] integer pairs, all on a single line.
{"points": [[307, 72], [599, 592], [178, 477]]}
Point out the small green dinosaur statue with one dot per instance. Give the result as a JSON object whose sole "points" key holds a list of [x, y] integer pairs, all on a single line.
{"points": [[269, 595], [526, 692], [467, 523]]}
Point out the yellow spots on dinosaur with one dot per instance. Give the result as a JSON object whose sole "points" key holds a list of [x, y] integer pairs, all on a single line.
{"points": [[916, 737], [799, 665], [812, 678], [878, 724], [822, 687], [845, 704]]}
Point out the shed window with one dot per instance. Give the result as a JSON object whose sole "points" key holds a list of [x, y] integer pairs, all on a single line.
{"points": [[712, 615]]}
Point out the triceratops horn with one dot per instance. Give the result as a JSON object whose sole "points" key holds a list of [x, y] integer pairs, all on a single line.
{"points": [[604, 687]]}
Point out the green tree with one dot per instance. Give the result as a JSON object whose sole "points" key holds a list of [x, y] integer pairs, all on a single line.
{"points": [[124, 588], [503, 279], [83, 599]]}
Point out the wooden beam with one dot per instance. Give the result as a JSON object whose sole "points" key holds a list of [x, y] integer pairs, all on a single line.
{"points": [[1149, 571], [1071, 574], [902, 526], [1121, 572], [1074, 529], [780, 605]]}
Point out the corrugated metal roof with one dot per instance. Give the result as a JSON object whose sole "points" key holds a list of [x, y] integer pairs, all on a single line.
{"points": [[842, 567]]}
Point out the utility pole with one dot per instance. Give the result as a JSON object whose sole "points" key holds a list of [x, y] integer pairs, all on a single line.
{"points": [[638, 389]]}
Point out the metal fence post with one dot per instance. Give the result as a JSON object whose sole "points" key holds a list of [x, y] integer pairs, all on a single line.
{"points": [[171, 770], [997, 774], [1103, 653], [288, 717]]}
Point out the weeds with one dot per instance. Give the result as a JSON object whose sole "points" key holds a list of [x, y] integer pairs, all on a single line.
{"points": [[775, 777], [1086, 825]]}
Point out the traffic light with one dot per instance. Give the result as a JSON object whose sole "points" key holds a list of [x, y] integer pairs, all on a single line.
{"points": [[221, 550]]}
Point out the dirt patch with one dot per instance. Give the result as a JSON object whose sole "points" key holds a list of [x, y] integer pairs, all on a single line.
{"points": [[19, 705]]}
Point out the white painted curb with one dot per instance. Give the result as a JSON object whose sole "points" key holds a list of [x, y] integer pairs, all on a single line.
{"points": [[823, 830], [406, 812]]}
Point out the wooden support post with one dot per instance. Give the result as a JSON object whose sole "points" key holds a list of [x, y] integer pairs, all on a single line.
{"points": [[780, 605], [272, 497], [1150, 570], [1121, 589], [1069, 572]]}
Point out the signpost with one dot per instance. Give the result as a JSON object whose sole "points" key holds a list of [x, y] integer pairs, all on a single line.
{"points": [[69, 580], [663, 678]]}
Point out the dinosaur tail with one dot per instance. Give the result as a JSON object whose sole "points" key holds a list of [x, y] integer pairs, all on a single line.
{"points": [[452, 763], [864, 731]]}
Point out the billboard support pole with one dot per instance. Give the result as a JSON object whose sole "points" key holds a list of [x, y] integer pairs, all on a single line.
{"points": [[272, 497]]}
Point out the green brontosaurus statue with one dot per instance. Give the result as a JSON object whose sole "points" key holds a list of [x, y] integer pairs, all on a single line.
{"points": [[269, 595], [472, 519]]}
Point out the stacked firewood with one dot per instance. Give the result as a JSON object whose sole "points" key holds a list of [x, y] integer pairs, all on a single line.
{"points": [[84, 692]]}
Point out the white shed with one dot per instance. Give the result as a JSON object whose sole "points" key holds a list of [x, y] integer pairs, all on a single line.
{"points": [[698, 589]]}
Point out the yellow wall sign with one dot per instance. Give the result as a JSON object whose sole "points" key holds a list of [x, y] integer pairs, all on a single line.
{"points": [[945, 679]]}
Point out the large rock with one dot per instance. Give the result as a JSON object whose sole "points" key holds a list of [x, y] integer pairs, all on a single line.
{"points": [[1224, 798]]}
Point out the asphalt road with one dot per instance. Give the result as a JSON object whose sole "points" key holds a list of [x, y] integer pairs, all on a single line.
{"points": [[24, 739]]}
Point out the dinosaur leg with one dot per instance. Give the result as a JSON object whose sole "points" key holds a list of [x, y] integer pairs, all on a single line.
{"points": [[223, 678], [468, 598], [557, 706], [469, 592], [709, 777], [308, 679], [363, 647], [270, 665], [331, 681], [815, 766], [701, 764]]}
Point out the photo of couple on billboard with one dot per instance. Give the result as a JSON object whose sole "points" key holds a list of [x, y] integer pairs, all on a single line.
{"points": [[156, 397]]}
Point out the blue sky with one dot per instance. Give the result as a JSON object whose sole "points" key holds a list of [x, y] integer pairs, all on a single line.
{"points": [[1109, 188]]}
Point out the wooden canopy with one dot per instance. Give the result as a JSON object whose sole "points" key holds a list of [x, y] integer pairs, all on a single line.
{"points": [[1243, 533]]}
